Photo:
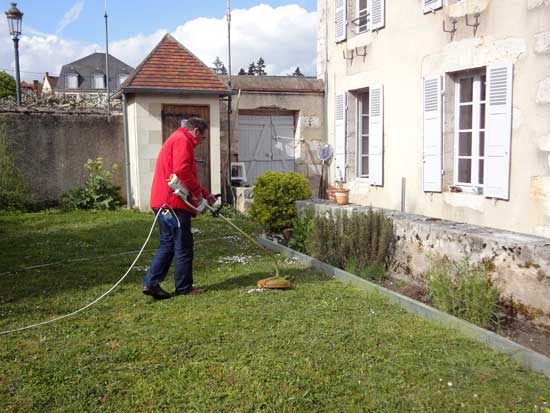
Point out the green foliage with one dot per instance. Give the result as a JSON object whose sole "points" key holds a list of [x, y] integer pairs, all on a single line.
{"points": [[302, 226], [7, 85], [274, 197], [14, 191], [360, 243], [462, 290], [98, 191]]}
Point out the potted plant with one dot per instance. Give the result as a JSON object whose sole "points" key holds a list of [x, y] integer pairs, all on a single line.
{"points": [[341, 193]]}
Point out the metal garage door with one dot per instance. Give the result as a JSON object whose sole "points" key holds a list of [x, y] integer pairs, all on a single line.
{"points": [[266, 143]]}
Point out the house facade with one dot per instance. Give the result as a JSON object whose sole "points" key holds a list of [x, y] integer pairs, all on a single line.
{"points": [[441, 108], [86, 77], [48, 84]]}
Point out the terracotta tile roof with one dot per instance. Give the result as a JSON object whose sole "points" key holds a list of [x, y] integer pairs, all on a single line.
{"points": [[172, 66]]}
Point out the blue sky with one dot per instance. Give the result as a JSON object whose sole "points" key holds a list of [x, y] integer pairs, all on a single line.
{"points": [[58, 32]]}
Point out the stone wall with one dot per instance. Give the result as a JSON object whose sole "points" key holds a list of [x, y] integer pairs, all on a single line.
{"points": [[51, 147], [518, 264]]}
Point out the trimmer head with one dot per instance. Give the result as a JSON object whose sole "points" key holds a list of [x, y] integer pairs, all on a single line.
{"points": [[278, 283]]}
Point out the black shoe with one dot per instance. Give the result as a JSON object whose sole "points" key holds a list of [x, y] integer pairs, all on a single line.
{"points": [[156, 292]]}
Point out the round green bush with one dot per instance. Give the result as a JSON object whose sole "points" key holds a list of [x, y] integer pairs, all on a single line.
{"points": [[274, 197]]}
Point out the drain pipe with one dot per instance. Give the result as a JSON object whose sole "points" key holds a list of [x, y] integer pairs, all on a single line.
{"points": [[126, 152]]}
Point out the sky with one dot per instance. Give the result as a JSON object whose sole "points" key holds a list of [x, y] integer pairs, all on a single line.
{"points": [[58, 32]]}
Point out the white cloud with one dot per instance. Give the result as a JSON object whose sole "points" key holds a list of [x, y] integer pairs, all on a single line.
{"points": [[284, 36], [71, 16]]}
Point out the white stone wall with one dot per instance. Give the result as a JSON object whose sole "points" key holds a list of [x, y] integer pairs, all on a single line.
{"points": [[145, 136], [413, 45]]}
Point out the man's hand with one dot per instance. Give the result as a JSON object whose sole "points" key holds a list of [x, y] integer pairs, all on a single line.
{"points": [[196, 200], [211, 199]]}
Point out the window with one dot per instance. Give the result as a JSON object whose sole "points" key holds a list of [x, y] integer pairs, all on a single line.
{"points": [[98, 81], [363, 134], [362, 20], [470, 131], [121, 79], [71, 81]]}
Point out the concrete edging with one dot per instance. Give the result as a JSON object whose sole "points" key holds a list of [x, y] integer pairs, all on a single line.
{"points": [[522, 355]]}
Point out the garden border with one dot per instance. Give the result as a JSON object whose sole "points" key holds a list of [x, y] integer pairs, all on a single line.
{"points": [[522, 355]]}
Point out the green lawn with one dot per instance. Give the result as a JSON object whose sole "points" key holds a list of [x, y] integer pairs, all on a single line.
{"points": [[321, 347]]}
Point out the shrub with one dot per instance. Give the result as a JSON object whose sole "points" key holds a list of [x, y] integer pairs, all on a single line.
{"points": [[302, 226], [14, 191], [462, 290], [274, 197], [98, 191], [359, 242], [7, 85]]}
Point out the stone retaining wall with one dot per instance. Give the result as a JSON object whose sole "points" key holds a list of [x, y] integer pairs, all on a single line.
{"points": [[518, 264]]}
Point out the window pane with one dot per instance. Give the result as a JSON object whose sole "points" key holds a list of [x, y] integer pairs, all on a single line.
{"points": [[481, 143], [483, 87], [481, 165], [465, 170], [365, 145], [466, 90], [362, 4], [482, 116], [465, 117], [365, 125], [465, 144], [365, 165]]}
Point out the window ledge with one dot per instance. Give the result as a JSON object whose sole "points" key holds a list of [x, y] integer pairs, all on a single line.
{"points": [[360, 40], [466, 7], [468, 200]]}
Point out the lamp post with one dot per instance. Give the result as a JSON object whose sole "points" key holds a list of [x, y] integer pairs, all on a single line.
{"points": [[15, 18]]}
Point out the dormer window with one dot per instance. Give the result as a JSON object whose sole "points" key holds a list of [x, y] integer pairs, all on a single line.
{"points": [[71, 81], [98, 81], [121, 79]]}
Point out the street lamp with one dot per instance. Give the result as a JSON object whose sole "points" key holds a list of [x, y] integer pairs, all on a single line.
{"points": [[15, 18]]}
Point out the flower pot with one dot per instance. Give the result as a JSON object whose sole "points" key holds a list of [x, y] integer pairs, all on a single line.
{"points": [[342, 196], [331, 196]]}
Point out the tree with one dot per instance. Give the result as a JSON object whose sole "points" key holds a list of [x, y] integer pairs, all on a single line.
{"points": [[297, 72], [251, 69], [260, 67], [219, 67], [7, 85], [242, 72]]}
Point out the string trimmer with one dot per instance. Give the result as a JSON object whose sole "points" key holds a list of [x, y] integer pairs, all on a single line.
{"points": [[181, 192]]}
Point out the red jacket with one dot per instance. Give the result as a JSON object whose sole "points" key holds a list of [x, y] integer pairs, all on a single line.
{"points": [[176, 156]]}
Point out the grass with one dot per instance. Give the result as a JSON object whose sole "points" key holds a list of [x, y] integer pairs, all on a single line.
{"points": [[320, 347]]}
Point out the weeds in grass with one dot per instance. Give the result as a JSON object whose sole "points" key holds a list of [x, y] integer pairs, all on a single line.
{"points": [[463, 290]]}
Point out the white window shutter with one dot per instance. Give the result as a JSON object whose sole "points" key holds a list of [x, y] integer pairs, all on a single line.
{"points": [[376, 136], [432, 114], [340, 19], [377, 12], [340, 137], [498, 133], [430, 5]]}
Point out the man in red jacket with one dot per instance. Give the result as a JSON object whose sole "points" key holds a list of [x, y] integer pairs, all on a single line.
{"points": [[176, 243]]}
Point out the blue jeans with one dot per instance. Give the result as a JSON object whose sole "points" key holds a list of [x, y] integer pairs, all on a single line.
{"points": [[175, 244]]}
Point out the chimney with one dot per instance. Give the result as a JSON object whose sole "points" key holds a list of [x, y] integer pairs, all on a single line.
{"points": [[36, 87]]}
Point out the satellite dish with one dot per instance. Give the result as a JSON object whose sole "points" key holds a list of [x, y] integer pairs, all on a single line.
{"points": [[325, 153]]}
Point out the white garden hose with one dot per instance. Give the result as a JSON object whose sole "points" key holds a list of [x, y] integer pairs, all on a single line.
{"points": [[97, 299]]}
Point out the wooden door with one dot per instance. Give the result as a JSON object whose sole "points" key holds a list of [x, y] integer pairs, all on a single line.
{"points": [[172, 117]]}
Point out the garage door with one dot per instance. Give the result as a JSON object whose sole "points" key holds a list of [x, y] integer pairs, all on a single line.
{"points": [[266, 143]]}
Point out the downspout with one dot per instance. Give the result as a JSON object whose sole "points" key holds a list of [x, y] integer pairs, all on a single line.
{"points": [[126, 152], [326, 72]]}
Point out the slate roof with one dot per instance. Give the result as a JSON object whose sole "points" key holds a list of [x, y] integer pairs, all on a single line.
{"points": [[172, 68], [90, 65]]}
